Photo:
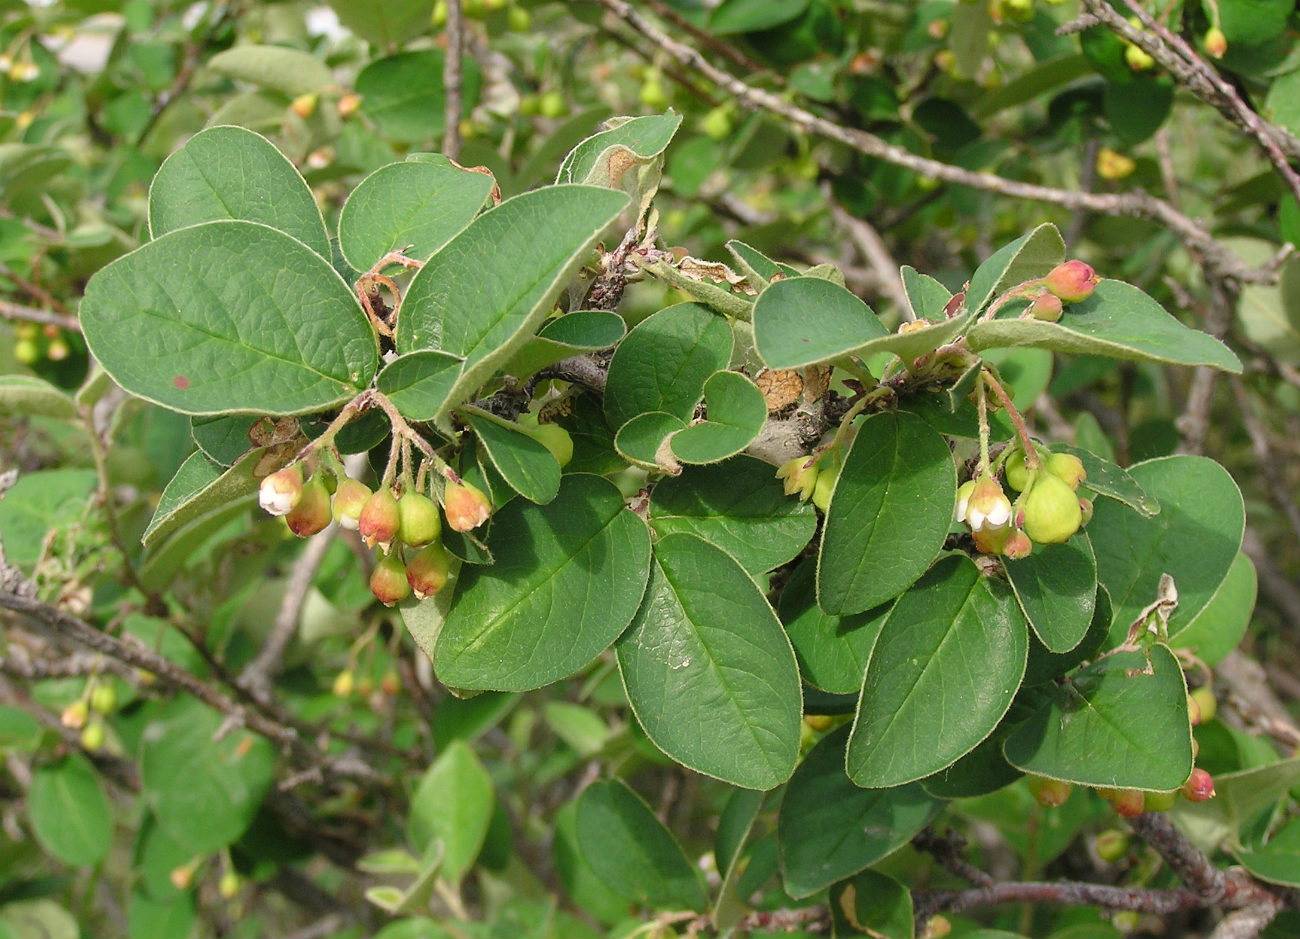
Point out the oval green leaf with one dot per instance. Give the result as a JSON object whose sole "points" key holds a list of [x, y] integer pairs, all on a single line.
{"points": [[641, 440], [33, 397], [1194, 539], [1056, 587], [567, 580], [229, 316], [736, 411], [565, 336], [524, 463], [1121, 722], [664, 362], [1119, 321], [1029, 256], [417, 204], [889, 513], [832, 650], [291, 72], [199, 488], [942, 674], [452, 806], [69, 812], [787, 335], [830, 829], [418, 383], [1219, 627], [708, 670], [232, 173], [739, 506], [204, 792], [631, 852], [403, 94]]}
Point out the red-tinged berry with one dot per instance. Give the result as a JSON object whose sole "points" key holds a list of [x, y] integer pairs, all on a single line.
{"points": [[987, 506], [1138, 59], [1159, 801], [349, 499], [1072, 281], [1017, 546], [281, 491], [1111, 845], [1128, 803], [819, 722], [1085, 511], [1199, 786], [181, 877], [349, 105], [1205, 702], [75, 714], [426, 572], [1046, 307], [938, 927], [378, 522], [466, 506], [1051, 509], [418, 520], [391, 683], [1049, 792], [1216, 43], [312, 513], [304, 105], [388, 580], [1193, 711]]}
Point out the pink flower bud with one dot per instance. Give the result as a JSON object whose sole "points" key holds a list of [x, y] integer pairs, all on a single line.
{"points": [[1046, 307], [1072, 281], [312, 513], [418, 522], [1199, 786], [349, 500], [281, 490], [427, 571], [1051, 793], [388, 580], [378, 521], [1017, 546], [1216, 43], [466, 506], [987, 505]]}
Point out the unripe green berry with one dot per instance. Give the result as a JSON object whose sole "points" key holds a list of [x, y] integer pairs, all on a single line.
{"points": [[1066, 467], [312, 513], [104, 698], [388, 580], [1111, 845], [426, 572], [229, 885], [1016, 471], [1139, 60], [938, 927], [552, 436], [1159, 801], [1049, 792], [344, 683], [819, 722], [1216, 43], [27, 351], [92, 735], [652, 94], [518, 20], [552, 105], [418, 520], [1206, 704], [1051, 510]]}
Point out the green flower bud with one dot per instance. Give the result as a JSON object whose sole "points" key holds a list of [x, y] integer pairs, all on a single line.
{"points": [[281, 491], [349, 499], [312, 513], [1051, 510], [1067, 467]]}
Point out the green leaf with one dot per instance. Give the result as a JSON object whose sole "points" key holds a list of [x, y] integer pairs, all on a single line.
{"points": [[1045, 665], [627, 156], [38, 919], [200, 487], [830, 829], [1029, 256], [18, 730], [876, 904], [40, 502], [524, 463], [735, 411], [1194, 539], [757, 266], [587, 891], [641, 440], [277, 68], [1277, 861], [1119, 321], [156, 854], [203, 791], [418, 383], [925, 295], [889, 513], [452, 805], [565, 336], [708, 670], [404, 95], [1114, 482], [786, 336], [664, 362], [229, 316], [1111, 725], [578, 726], [231, 173], [734, 825], [567, 580], [417, 204], [384, 24], [1218, 628], [149, 917], [224, 438], [1269, 314], [32, 397], [1240, 797], [832, 650], [632, 853], [1031, 83], [941, 675], [69, 812], [749, 16], [1056, 587], [535, 243], [739, 506], [985, 769]]}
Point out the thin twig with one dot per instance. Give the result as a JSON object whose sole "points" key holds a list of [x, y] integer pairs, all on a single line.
{"points": [[452, 65], [1138, 203], [876, 254], [17, 311]]}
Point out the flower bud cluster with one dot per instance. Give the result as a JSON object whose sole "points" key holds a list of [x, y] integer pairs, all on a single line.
{"points": [[1048, 509], [1070, 282], [404, 528]]}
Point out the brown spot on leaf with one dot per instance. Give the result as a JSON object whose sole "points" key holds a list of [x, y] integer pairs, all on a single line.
{"points": [[181, 382]]}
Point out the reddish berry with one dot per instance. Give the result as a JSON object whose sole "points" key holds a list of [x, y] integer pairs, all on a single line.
{"points": [[1049, 792], [427, 570], [1199, 786], [466, 506], [312, 513], [1046, 307], [1017, 546], [388, 580], [349, 499], [75, 714], [1129, 803], [1216, 43], [1072, 281], [378, 521]]}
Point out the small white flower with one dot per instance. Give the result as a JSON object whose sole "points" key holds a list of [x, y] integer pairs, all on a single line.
{"points": [[280, 491], [986, 506]]}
